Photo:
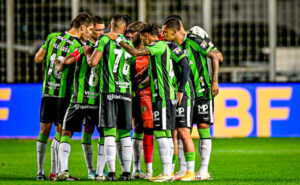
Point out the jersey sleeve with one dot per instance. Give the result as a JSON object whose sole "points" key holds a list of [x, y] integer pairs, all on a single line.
{"points": [[204, 45], [46, 43], [176, 52], [101, 43], [157, 48]]}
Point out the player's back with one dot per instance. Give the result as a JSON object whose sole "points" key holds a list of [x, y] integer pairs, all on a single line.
{"points": [[58, 46], [114, 67], [161, 71], [196, 48]]}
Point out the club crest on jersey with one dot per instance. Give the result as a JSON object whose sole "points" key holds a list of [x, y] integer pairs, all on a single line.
{"points": [[144, 109], [203, 44], [177, 50]]}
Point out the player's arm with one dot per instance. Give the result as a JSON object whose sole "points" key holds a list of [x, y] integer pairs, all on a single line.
{"points": [[144, 84], [131, 50], [40, 55], [215, 61], [70, 59], [92, 58]]}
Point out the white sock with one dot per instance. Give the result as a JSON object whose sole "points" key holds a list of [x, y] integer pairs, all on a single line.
{"points": [[137, 152], [190, 166], [58, 166], [164, 152], [126, 153], [205, 150], [119, 154], [110, 153], [171, 144], [41, 151], [100, 160], [88, 155], [53, 156], [181, 158], [149, 168], [64, 153]]}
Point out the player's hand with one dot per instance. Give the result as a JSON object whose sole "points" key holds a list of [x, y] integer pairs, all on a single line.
{"points": [[215, 88], [58, 65], [112, 35], [179, 97], [87, 50]]}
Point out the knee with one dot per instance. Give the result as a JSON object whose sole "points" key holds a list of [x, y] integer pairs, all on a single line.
{"points": [[67, 133], [203, 126], [89, 129], [46, 128]]}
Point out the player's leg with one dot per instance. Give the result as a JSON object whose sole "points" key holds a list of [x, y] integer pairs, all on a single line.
{"points": [[72, 123], [171, 141], [137, 139], [162, 112], [184, 125], [55, 164], [86, 143], [48, 115], [124, 124], [108, 117], [205, 144], [147, 116], [181, 159], [100, 176]]}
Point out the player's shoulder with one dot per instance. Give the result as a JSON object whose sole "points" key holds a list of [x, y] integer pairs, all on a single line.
{"points": [[158, 43], [172, 45], [195, 38]]}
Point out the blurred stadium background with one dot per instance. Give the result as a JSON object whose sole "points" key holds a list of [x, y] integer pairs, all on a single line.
{"points": [[260, 39]]}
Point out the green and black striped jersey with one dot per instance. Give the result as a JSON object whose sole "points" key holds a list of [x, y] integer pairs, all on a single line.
{"points": [[115, 66], [86, 79], [177, 55], [196, 49], [161, 72], [58, 46]]}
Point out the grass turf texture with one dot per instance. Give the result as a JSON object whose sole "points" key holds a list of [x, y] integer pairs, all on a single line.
{"points": [[233, 161]]}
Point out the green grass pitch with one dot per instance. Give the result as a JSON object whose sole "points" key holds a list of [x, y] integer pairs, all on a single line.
{"points": [[233, 161]]}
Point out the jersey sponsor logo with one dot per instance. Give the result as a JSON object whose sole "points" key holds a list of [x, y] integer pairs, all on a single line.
{"points": [[83, 107], [156, 116], [64, 39], [177, 51], [123, 84], [211, 44], [91, 94], [52, 85], [117, 97], [180, 112], [203, 109], [203, 44], [201, 90], [174, 102]]}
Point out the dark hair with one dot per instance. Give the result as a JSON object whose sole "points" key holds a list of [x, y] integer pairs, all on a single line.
{"points": [[136, 26], [172, 23], [80, 19], [97, 20], [173, 17], [150, 28], [128, 19], [117, 20]]}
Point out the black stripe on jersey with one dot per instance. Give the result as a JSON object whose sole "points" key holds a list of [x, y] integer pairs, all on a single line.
{"points": [[76, 78], [165, 74], [154, 75], [199, 67], [70, 75], [57, 42], [105, 62]]}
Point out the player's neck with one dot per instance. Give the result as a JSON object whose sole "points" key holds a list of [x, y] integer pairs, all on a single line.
{"points": [[119, 31], [179, 39], [74, 32]]}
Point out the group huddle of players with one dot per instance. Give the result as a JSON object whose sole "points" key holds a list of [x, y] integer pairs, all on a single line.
{"points": [[155, 80]]}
